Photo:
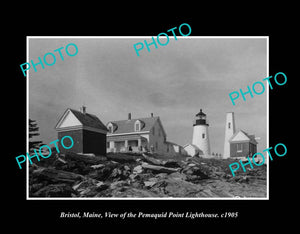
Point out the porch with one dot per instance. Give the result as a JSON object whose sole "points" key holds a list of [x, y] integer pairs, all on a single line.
{"points": [[127, 144]]}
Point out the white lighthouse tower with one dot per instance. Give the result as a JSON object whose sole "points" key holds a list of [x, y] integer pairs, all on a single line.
{"points": [[200, 133], [229, 131]]}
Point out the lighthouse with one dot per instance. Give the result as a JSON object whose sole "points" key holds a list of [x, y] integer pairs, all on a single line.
{"points": [[229, 131], [200, 133]]}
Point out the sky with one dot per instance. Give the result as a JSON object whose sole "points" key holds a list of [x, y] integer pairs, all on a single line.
{"points": [[173, 82]]}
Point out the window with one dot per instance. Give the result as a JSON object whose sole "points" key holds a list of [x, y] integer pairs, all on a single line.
{"points": [[137, 126], [110, 128], [203, 135], [153, 131], [228, 125], [156, 146], [239, 147]]}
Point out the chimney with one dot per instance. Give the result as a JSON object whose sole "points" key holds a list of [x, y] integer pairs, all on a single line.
{"points": [[151, 114], [83, 109], [129, 116]]}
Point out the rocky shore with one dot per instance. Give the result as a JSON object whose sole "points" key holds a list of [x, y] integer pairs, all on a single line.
{"points": [[142, 175]]}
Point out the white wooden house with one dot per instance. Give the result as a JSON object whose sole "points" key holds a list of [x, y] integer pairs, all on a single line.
{"points": [[137, 135]]}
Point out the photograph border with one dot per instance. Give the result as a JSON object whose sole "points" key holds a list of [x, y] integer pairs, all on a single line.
{"points": [[143, 198]]}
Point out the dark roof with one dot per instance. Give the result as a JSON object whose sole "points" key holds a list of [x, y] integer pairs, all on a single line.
{"points": [[126, 126], [201, 113], [251, 137], [89, 120], [172, 143]]}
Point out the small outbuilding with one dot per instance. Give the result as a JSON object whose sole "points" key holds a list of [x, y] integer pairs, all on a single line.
{"points": [[242, 144], [175, 149], [192, 150], [87, 131]]}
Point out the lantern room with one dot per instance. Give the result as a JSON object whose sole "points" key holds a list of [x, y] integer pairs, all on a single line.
{"points": [[200, 119]]}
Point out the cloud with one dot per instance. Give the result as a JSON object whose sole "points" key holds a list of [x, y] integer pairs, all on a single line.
{"points": [[174, 82], [160, 99]]}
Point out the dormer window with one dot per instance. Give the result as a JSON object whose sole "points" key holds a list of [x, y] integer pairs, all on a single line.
{"points": [[137, 126], [111, 127]]}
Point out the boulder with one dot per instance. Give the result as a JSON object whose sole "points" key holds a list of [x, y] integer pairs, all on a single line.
{"points": [[123, 158], [138, 169], [90, 187], [55, 190], [98, 166], [152, 160], [174, 187], [118, 184], [178, 175], [104, 173], [56, 176], [172, 163], [133, 192], [149, 183], [86, 159], [160, 162], [194, 172], [159, 169]]}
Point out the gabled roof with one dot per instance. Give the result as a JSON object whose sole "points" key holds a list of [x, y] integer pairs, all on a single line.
{"points": [[127, 126], [246, 136], [196, 148], [192, 145], [87, 120], [172, 143]]}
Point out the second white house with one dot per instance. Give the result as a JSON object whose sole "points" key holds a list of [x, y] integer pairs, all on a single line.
{"points": [[141, 134]]}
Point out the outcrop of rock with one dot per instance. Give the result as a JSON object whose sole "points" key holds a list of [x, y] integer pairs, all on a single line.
{"points": [[142, 175]]}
